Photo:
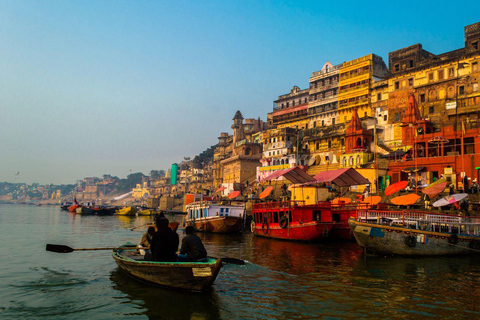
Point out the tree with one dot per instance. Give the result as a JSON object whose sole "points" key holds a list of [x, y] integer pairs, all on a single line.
{"points": [[155, 174]]}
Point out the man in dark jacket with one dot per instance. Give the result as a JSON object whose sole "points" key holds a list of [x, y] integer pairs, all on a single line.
{"points": [[164, 242], [192, 247]]}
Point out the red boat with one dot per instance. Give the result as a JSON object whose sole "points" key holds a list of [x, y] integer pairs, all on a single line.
{"points": [[73, 208], [291, 221]]}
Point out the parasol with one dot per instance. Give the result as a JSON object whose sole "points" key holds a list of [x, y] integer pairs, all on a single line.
{"points": [[434, 190], [391, 189], [405, 200], [445, 201], [265, 193], [344, 200], [372, 200], [233, 194]]}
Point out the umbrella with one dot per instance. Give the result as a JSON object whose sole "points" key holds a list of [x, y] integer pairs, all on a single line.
{"points": [[405, 200], [220, 189], [265, 193], [372, 200], [233, 194], [450, 200], [434, 190], [438, 139], [391, 189]]}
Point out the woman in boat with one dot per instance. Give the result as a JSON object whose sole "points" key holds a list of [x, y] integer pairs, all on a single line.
{"points": [[192, 247], [164, 242]]}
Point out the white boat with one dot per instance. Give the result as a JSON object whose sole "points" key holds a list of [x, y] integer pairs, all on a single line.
{"points": [[415, 233], [215, 217]]}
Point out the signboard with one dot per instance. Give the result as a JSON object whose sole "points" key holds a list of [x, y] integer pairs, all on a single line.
{"points": [[448, 170], [450, 105]]}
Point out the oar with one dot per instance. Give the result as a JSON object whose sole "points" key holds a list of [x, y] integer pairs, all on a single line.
{"points": [[66, 249], [231, 260]]}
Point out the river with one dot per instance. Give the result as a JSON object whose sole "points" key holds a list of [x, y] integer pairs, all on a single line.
{"points": [[282, 280]]}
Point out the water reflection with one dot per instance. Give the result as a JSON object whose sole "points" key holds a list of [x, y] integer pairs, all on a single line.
{"points": [[159, 303]]}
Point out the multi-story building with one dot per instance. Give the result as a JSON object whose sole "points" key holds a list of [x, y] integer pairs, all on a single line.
{"points": [[279, 151], [323, 96], [223, 151], [435, 103], [290, 110], [355, 85]]}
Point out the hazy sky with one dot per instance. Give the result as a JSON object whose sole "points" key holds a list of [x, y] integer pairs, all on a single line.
{"points": [[113, 87]]}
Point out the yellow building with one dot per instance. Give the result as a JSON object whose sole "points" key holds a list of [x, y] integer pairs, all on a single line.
{"points": [[141, 191], [355, 85]]}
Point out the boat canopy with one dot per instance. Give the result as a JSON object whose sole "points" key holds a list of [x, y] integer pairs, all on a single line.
{"points": [[294, 175], [413, 169], [343, 177]]}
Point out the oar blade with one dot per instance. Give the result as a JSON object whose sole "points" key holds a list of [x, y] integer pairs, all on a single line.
{"points": [[59, 248], [233, 261]]}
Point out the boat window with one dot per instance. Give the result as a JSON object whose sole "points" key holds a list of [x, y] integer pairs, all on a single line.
{"points": [[317, 215], [269, 217], [275, 217], [197, 214], [226, 210], [205, 213], [221, 210]]}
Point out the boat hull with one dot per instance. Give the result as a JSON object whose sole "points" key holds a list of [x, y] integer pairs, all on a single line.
{"points": [[127, 211], [310, 231], [225, 224], [391, 240], [191, 276]]}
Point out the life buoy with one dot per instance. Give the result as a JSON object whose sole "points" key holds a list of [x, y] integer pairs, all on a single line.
{"points": [[453, 239], [265, 226], [474, 244], [252, 226], [283, 222], [411, 241], [325, 233]]}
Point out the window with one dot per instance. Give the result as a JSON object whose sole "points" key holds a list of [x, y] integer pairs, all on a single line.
{"points": [[385, 118], [410, 63], [333, 119], [379, 96], [461, 90], [422, 97], [397, 67], [451, 73], [474, 66], [410, 82], [431, 110], [323, 123], [440, 74], [365, 114], [475, 45], [475, 87], [397, 117], [317, 146], [397, 85], [430, 76]]}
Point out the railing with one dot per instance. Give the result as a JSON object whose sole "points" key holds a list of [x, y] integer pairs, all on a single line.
{"points": [[422, 221], [277, 205]]}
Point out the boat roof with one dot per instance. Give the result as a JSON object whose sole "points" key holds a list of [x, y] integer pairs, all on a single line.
{"points": [[342, 177], [294, 175]]}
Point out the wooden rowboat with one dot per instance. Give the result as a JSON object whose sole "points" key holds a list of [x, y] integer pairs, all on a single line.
{"points": [[191, 276]]}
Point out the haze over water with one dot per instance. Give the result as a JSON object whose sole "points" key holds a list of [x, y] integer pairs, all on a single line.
{"points": [[282, 279]]}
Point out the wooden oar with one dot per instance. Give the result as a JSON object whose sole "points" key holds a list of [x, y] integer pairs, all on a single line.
{"points": [[66, 249]]}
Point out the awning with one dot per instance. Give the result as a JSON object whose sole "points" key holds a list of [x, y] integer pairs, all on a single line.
{"points": [[294, 175], [413, 169], [342, 177], [265, 193], [233, 194], [220, 189]]}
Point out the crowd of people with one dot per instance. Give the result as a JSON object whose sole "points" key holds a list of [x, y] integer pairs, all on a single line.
{"points": [[161, 244]]}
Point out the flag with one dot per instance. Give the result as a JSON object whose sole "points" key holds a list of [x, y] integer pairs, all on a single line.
{"points": [[463, 128]]}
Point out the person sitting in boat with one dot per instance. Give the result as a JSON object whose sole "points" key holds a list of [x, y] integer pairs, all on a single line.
{"points": [[192, 247], [164, 243], [146, 241]]}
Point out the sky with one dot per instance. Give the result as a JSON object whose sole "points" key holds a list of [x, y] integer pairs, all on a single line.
{"points": [[115, 87]]}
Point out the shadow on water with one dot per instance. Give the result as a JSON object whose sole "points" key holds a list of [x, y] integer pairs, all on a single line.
{"points": [[161, 303]]}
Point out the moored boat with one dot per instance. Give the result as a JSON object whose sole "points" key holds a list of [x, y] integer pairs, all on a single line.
{"points": [[146, 212], [215, 217], [191, 276], [126, 211], [65, 205], [290, 221], [416, 233]]}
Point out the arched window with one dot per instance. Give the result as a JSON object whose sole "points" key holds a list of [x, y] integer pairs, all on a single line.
{"points": [[344, 162], [248, 151], [350, 161], [358, 160], [329, 144], [359, 142]]}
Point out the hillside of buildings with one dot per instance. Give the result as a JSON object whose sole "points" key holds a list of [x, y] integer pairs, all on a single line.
{"points": [[415, 117]]}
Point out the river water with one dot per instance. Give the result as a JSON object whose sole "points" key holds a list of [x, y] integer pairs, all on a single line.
{"points": [[282, 280]]}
